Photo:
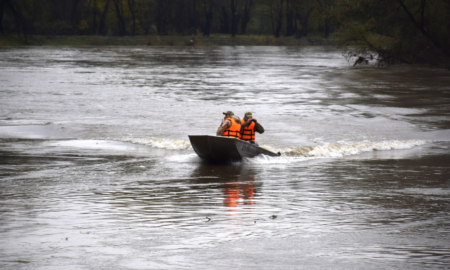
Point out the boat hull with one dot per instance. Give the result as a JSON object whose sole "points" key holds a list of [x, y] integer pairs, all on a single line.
{"points": [[222, 149]]}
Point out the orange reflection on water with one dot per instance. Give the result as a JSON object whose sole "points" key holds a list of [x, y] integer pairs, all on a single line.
{"points": [[236, 191]]}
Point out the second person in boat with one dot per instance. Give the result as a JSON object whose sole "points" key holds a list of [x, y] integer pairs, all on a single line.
{"points": [[249, 126], [230, 127]]}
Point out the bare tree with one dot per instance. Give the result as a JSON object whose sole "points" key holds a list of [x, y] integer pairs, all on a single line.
{"points": [[120, 19], [276, 15], [19, 19], [209, 14], [131, 7], [420, 25], [248, 4], [234, 17], [326, 6], [101, 26]]}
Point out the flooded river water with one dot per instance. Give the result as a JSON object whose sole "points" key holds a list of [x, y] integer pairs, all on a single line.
{"points": [[97, 172]]}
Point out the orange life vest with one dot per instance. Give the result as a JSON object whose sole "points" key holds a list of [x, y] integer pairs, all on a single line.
{"points": [[234, 130], [248, 134]]}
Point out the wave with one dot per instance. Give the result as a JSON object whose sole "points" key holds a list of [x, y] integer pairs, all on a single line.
{"points": [[330, 150], [160, 143], [327, 150], [334, 150]]}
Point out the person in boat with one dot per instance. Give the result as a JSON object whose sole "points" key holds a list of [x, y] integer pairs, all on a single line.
{"points": [[231, 126], [249, 126]]}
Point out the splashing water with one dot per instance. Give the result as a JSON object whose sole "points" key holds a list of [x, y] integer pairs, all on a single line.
{"points": [[327, 150], [160, 143], [346, 149]]}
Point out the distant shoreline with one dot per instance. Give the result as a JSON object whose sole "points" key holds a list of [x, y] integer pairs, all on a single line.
{"points": [[214, 40]]}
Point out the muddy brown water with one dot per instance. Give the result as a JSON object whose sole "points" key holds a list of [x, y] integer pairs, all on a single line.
{"points": [[96, 169]]}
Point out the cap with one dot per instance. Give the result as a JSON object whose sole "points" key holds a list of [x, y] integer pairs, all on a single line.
{"points": [[248, 114], [228, 112]]}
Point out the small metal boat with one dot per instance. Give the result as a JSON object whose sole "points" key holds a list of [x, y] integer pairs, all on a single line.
{"points": [[222, 149]]}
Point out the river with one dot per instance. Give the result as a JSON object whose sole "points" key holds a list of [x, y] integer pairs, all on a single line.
{"points": [[97, 172]]}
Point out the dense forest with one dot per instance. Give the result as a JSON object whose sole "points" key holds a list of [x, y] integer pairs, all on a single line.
{"points": [[409, 31], [165, 17]]}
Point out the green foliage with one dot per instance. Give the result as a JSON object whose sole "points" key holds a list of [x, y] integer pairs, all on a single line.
{"points": [[83, 25], [7, 40], [60, 26]]}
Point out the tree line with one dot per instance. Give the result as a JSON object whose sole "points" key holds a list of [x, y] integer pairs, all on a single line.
{"points": [[410, 31], [164, 17]]}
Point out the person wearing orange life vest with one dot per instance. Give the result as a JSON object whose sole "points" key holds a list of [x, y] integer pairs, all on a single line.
{"points": [[249, 126], [230, 127]]}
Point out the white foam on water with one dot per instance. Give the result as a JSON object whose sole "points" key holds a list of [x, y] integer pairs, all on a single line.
{"points": [[346, 149], [288, 154], [331, 150], [90, 144], [184, 158], [283, 159], [160, 143]]}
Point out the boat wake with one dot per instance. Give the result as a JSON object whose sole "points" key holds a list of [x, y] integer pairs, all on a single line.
{"points": [[327, 150], [335, 150], [332, 150], [160, 143]]}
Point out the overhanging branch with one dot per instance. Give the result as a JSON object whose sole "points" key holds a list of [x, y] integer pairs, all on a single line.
{"points": [[420, 27]]}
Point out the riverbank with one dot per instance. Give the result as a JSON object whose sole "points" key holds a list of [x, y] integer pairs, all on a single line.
{"points": [[214, 40]]}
